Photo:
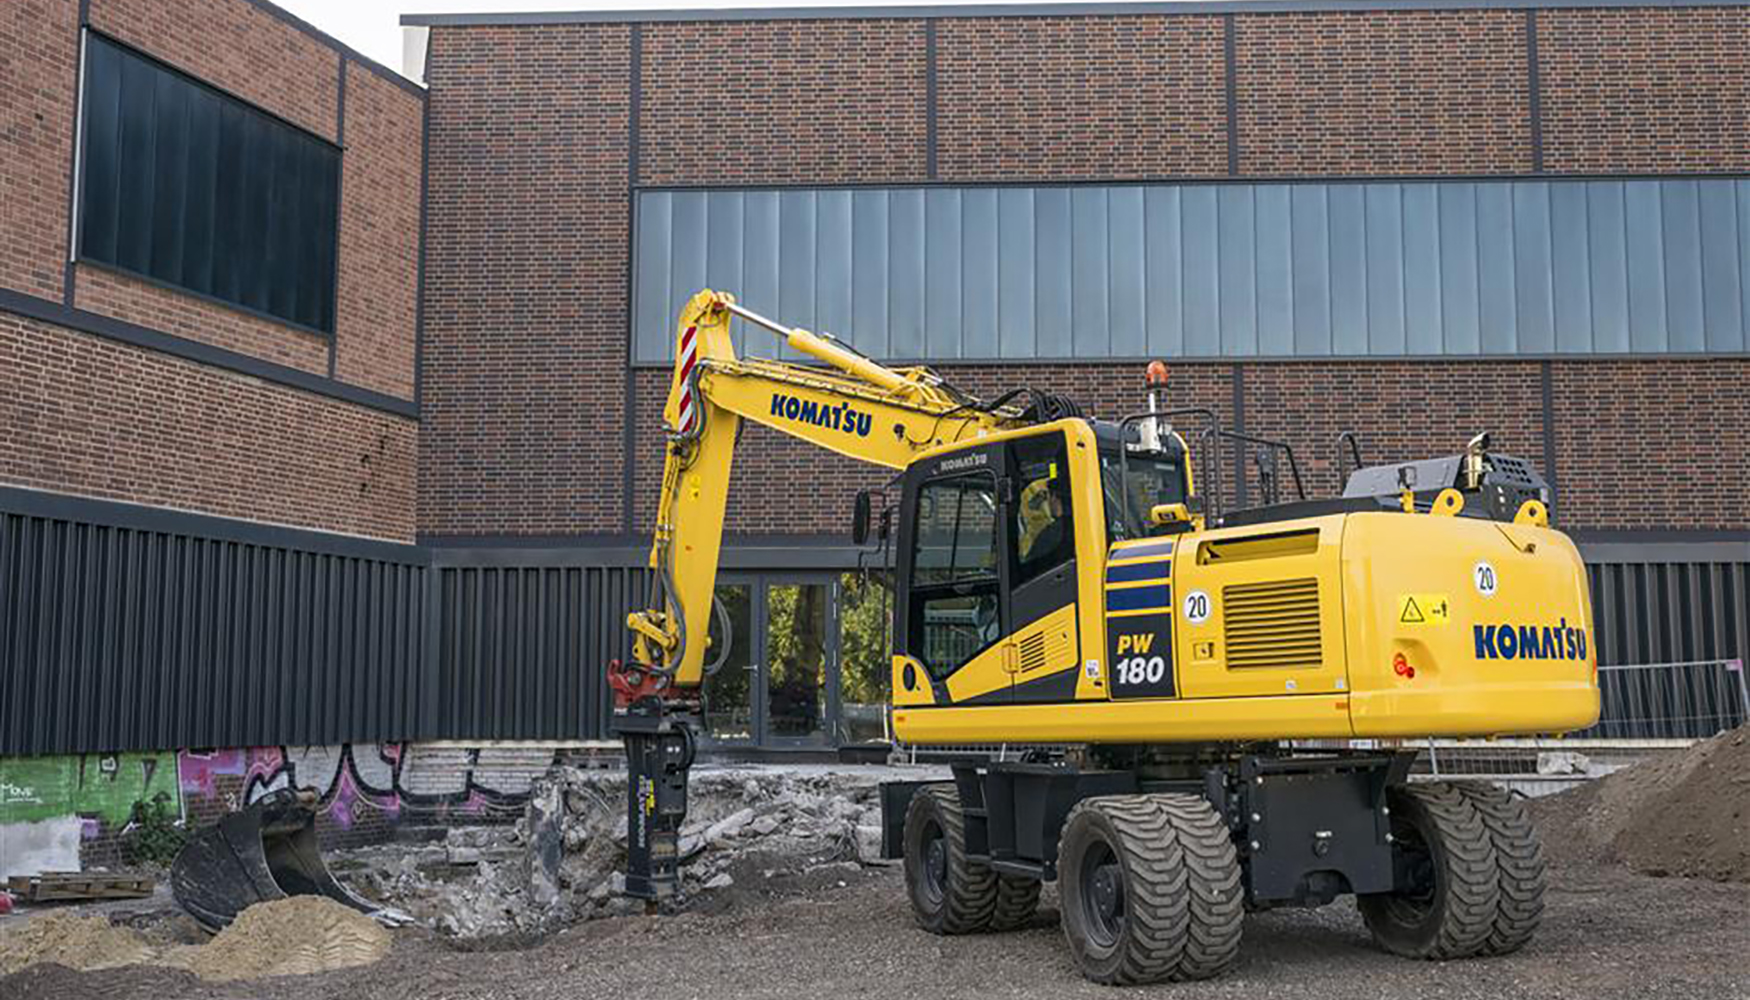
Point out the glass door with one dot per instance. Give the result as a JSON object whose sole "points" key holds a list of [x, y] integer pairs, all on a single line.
{"points": [[728, 695], [796, 639]]}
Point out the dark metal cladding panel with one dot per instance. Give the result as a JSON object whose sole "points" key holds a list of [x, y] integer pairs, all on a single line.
{"points": [[522, 650], [1682, 620], [118, 636]]}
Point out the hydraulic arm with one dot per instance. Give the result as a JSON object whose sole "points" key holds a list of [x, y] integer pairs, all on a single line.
{"points": [[853, 406]]}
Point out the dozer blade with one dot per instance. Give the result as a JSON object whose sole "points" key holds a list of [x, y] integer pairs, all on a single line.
{"points": [[264, 851]]}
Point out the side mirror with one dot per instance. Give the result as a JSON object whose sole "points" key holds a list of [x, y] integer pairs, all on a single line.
{"points": [[860, 514], [1169, 514]]}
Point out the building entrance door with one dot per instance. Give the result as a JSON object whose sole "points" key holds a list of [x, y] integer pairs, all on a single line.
{"points": [[776, 686]]}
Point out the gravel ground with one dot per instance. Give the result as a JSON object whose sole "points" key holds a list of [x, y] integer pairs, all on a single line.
{"points": [[1608, 933]]}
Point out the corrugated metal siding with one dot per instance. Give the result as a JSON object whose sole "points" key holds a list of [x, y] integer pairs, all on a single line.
{"points": [[1213, 270], [1670, 613], [121, 638], [523, 650]]}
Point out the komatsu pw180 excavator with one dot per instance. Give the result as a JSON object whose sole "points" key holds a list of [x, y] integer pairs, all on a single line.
{"points": [[1225, 690]]}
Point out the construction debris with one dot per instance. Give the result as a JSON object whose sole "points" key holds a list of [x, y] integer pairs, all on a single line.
{"points": [[1683, 812], [748, 829], [77, 885]]}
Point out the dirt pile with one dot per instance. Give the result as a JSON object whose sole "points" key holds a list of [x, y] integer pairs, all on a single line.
{"points": [[73, 941], [285, 937], [1685, 812]]}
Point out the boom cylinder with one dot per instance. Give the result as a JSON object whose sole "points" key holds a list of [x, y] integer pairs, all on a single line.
{"points": [[816, 346]]}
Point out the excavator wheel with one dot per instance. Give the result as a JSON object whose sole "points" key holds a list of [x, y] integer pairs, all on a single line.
{"points": [[1017, 902], [1150, 889], [1519, 867], [1451, 908], [950, 893]]}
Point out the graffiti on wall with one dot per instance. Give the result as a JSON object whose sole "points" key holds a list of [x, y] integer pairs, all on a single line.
{"points": [[356, 780], [99, 789]]}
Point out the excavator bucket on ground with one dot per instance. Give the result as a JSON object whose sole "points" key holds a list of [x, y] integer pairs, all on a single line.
{"points": [[264, 851]]}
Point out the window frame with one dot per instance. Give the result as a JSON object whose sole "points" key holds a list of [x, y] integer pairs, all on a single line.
{"points": [[918, 594], [79, 253]]}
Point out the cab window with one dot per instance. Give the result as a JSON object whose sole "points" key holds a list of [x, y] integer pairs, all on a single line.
{"points": [[955, 595], [1044, 526], [1153, 479]]}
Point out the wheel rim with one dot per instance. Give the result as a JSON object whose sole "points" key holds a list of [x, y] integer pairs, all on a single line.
{"points": [[1102, 895], [933, 873]]}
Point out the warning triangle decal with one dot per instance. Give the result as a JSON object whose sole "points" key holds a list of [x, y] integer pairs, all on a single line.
{"points": [[1411, 613]]}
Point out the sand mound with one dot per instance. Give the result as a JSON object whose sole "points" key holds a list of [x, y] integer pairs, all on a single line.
{"points": [[74, 941], [1686, 812], [285, 937]]}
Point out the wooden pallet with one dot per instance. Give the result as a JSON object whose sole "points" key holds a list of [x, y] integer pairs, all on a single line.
{"points": [[77, 885]]}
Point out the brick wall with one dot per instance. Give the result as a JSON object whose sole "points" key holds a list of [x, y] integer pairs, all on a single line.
{"points": [[1371, 93], [40, 39], [782, 101], [90, 416], [1108, 98], [525, 338], [1105, 97], [236, 47], [1653, 444], [1644, 89], [112, 293], [379, 235]]}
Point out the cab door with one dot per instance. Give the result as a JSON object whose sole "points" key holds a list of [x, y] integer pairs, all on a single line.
{"points": [[1041, 553], [954, 579]]}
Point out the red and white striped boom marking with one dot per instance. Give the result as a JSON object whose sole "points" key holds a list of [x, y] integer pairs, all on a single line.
{"points": [[688, 413]]}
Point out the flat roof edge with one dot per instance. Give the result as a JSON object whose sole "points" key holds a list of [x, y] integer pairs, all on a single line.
{"points": [[928, 11]]}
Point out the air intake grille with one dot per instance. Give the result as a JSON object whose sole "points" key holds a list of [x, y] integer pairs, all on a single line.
{"points": [[1033, 652], [1272, 625]]}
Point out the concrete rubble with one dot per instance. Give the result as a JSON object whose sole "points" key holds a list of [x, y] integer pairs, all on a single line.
{"points": [[747, 828]]}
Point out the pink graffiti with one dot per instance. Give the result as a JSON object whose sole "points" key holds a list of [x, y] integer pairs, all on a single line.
{"points": [[195, 770]]}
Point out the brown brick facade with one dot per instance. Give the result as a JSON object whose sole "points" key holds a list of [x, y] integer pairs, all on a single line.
{"points": [[40, 39], [236, 47], [525, 337], [93, 417], [1099, 97], [1409, 92], [1653, 445], [83, 414], [526, 347], [379, 235], [782, 102], [157, 307], [1645, 89]]}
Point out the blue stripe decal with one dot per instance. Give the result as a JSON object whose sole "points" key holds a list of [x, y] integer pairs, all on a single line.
{"points": [[1157, 570], [1160, 548], [1137, 598]]}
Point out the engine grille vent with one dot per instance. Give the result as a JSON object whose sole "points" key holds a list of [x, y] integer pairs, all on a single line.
{"points": [[1033, 652], [1272, 625]]}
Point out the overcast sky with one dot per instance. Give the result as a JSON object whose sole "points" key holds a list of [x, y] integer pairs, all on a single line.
{"points": [[374, 26]]}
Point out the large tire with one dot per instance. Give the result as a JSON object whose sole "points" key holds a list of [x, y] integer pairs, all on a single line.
{"points": [[1017, 901], [950, 893], [1451, 912], [1519, 867], [1150, 889]]}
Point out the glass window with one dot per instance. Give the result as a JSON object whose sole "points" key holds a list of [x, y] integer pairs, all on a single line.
{"points": [[865, 655], [1153, 479], [955, 607], [795, 659], [187, 186], [1044, 529]]}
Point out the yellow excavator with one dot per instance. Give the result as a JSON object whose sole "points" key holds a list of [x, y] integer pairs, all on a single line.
{"points": [[1217, 697]]}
